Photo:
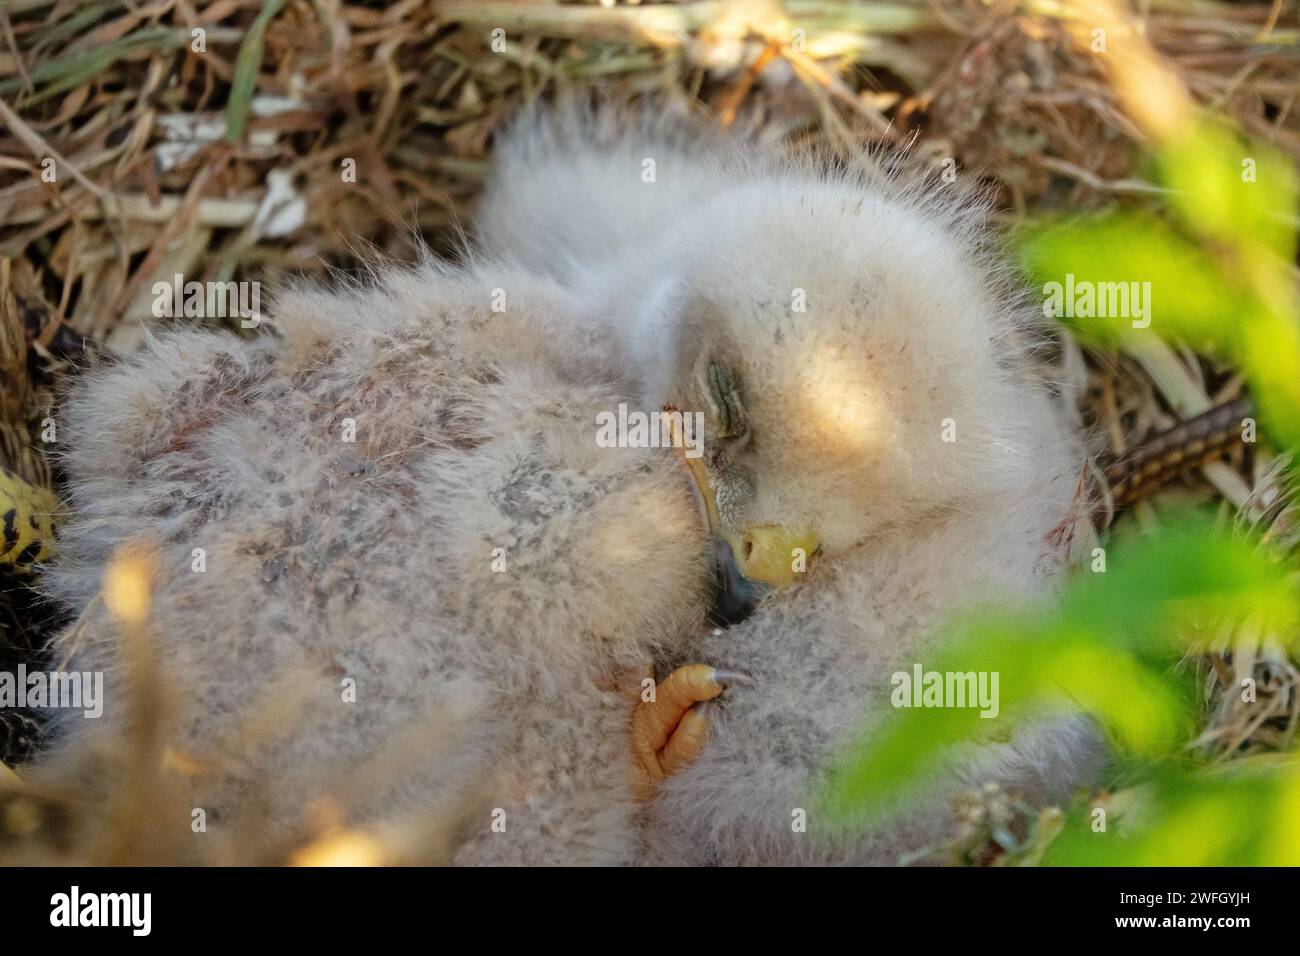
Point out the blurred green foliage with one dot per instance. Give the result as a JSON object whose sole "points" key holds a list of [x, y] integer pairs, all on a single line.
{"points": [[1219, 256], [1239, 814]]}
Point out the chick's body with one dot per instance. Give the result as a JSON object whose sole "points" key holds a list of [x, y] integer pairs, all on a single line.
{"points": [[401, 492], [880, 358]]}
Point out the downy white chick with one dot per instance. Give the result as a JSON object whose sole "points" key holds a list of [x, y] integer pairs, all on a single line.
{"points": [[867, 373], [399, 496]]}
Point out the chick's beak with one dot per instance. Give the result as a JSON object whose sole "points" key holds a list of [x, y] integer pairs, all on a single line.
{"points": [[748, 563], [734, 597], [762, 558], [773, 555]]}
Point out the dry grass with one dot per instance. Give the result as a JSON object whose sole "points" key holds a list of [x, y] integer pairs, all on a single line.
{"points": [[227, 162]]}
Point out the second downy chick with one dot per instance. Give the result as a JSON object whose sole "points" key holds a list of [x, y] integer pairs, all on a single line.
{"points": [[397, 498]]}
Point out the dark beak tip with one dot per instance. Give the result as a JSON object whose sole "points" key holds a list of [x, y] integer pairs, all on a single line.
{"points": [[734, 597]]}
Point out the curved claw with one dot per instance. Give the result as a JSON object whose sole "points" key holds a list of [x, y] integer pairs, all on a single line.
{"points": [[726, 678]]}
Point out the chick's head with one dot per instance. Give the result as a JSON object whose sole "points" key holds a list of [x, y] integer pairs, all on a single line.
{"points": [[855, 360]]}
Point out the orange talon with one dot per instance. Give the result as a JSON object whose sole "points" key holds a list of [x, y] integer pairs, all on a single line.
{"points": [[670, 731]]}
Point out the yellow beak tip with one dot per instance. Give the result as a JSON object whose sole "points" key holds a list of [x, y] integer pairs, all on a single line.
{"points": [[774, 555]]}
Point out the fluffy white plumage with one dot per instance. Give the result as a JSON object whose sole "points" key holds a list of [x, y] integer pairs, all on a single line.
{"points": [[374, 560]]}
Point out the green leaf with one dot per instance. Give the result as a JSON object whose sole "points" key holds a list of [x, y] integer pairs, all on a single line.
{"points": [[1229, 191], [247, 65], [1114, 263], [1243, 815]]}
